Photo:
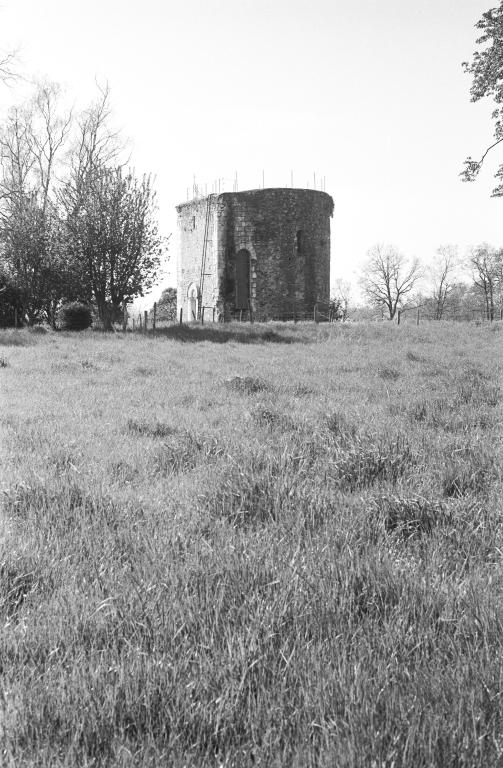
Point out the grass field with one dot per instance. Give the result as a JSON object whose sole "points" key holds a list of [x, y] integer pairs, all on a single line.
{"points": [[252, 546]]}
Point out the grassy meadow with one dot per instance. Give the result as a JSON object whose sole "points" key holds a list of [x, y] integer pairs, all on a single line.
{"points": [[252, 546]]}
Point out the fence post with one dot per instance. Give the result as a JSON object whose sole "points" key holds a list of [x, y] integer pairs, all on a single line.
{"points": [[501, 313], [133, 324], [15, 317], [417, 321], [154, 318], [240, 315], [145, 315], [124, 317], [140, 325], [202, 315], [398, 317], [181, 315], [250, 311], [213, 314], [315, 313]]}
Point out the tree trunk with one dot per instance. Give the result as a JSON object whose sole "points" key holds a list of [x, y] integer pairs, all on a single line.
{"points": [[105, 314]]}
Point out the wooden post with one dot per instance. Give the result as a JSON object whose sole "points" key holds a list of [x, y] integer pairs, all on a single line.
{"points": [[140, 323], [417, 320], [124, 317], [315, 313], [145, 315], [398, 317], [15, 317], [154, 318], [250, 311], [181, 315], [202, 315], [240, 315], [213, 314]]}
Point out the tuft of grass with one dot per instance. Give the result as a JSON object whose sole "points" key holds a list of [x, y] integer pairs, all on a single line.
{"points": [[3, 362], [88, 365], [410, 515], [340, 427], [271, 418], [363, 461], [246, 385], [388, 373], [18, 582], [183, 452], [472, 471], [154, 429], [413, 357]]}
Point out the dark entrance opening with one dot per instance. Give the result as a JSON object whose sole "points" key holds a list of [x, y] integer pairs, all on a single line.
{"points": [[242, 279]]}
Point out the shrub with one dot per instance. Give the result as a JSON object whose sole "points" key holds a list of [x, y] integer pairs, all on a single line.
{"points": [[75, 317]]}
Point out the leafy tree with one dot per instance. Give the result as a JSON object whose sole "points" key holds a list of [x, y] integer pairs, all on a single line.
{"points": [[388, 277], [486, 69], [114, 237], [166, 306]]}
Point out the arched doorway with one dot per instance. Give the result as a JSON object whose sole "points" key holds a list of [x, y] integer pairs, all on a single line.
{"points": [[242, 279], [192, 301]]}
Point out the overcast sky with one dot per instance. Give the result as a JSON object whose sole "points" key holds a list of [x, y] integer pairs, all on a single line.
{"points": [[370, 95]]}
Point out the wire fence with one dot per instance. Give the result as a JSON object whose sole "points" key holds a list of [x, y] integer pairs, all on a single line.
{"points": [[320, 313]]}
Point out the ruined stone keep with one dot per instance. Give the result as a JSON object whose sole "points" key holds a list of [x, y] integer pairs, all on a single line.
{"points": [[263, 252]]}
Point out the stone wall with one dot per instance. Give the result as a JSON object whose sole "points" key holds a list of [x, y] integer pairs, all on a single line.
{"points": [[191, 228], [285, 231]]}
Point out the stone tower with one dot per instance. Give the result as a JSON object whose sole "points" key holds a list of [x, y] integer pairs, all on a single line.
{"points": [[265, 251]]}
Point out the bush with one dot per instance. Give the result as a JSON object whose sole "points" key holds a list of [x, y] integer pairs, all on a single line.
{"points": [[74, 317]]}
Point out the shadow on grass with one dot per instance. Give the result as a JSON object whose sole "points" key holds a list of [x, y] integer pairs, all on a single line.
{"points": [[221, 334]]}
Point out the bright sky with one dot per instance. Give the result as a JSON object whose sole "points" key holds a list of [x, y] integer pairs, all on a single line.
{"points": [[369, 94]]}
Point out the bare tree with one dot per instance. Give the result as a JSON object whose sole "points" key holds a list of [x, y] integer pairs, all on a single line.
{"points": [[443, 275], [8, 72], [487, 269], [342, 297], [96, 146], [50, 129], [31, 144], [388, 277]]}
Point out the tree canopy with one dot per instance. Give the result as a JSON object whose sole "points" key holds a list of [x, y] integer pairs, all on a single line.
{"points": [[74, 222], [486, 69]]}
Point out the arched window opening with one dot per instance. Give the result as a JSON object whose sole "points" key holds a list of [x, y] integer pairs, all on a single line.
{"points": [[192, 301]]}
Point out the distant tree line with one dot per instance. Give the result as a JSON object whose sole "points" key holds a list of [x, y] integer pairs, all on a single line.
{"points": [[446, 287], [75, 223]]}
